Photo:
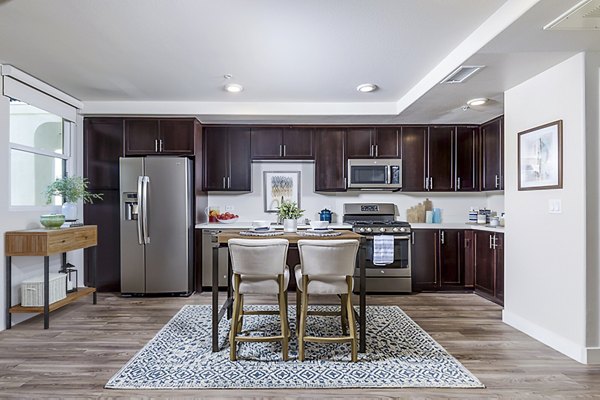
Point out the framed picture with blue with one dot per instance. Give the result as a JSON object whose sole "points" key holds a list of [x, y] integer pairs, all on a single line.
{"points": [[540, 157], [280, 186]]}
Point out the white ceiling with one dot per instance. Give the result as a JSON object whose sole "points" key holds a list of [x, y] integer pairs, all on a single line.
{"points": [[299, 61]]}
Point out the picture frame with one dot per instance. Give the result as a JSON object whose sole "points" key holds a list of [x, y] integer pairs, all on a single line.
{"points": [[540, 157], [278, 186]]}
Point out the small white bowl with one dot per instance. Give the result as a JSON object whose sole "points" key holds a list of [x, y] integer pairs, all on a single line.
{"points": [[261, 224], [319, 224]]}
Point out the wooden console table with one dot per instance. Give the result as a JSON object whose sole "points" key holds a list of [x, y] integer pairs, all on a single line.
{"points": [[44, 243]]}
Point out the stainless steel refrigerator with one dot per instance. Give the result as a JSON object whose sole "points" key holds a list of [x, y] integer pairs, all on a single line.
{"points": [[156, 225]]}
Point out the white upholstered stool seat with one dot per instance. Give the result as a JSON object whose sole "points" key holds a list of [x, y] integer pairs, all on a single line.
{"points": [[326, 267], [258, 267]]}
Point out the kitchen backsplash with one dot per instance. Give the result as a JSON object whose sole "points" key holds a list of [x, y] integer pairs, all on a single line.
{"points": [[249, 206]]}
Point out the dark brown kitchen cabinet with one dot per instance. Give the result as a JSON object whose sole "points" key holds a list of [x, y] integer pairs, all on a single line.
{"points": [[440, 159], [489, 265], [414, 147], [466, 155], [438, 259], [152, 136], [469, 245], [492, 153], [373, 143], [227, 159], [330, 160], [281, 143], [102, 147]]}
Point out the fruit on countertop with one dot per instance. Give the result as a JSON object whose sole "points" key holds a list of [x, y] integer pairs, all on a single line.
{"points": [[227, 216]]}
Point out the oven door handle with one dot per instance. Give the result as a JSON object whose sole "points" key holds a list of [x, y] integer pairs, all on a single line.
{"points": [[396, 237]]}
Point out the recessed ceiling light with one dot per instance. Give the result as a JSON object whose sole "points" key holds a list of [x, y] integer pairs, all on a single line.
{"points": [[477, 102], [367, 87], [233, 88]]}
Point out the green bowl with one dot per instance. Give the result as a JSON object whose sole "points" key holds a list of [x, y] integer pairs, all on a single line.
{"points": [[52, 221]]}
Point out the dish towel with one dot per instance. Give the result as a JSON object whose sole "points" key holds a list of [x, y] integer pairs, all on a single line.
{"points": [[383, 249]]}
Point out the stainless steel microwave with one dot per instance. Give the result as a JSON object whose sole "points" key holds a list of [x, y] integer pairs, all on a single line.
{"points": [[378, 173]]}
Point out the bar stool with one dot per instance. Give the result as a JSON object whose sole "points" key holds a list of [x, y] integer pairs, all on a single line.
{"points": [[258, 268], [326, 268]]}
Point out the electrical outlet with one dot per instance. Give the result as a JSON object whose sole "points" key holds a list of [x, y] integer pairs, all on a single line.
{"points": [[554, 206], [229, 208]]}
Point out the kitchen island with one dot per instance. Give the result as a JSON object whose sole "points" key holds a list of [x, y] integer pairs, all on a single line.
{"points": [[292, 237]]}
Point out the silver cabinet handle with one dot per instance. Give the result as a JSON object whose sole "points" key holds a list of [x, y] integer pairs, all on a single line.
{"points": [[280, 150], [494, 242], [284, 150], [376, 150], [491, 236], [371, 151], [426, 183], [160, 146], [458, 183], [156, 145], [224, 184], [442, 237], [496, 181], [412, 236], [345, 183], [430, 183], [228, 182]]}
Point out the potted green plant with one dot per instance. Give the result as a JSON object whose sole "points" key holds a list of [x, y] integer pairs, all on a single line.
{"points": [[289, 212], [71, 189]]}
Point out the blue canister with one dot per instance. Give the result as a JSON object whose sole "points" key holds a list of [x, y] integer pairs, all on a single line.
{"points": [[437, 216], [325, 215]]}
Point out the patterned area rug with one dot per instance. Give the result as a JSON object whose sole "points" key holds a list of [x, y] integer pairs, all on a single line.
{"points": [[399, 354]]}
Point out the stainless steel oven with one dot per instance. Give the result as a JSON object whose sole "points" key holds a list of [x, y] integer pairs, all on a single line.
{"points": [[369, 174]]}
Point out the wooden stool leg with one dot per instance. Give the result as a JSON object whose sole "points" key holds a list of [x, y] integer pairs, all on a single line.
{"points": [[234, 323], [283, 317], [241, 318], [344, 307], [298, 308], [351, 322], [303, 318]]}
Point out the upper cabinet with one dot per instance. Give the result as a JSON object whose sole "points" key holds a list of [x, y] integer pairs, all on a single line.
{"points": [[102, 147], [330, 162], [466, 155], [373, 142], [414, 148], [271, 143], [227, 159], [153, 136], [440, 159], [492, 152]]}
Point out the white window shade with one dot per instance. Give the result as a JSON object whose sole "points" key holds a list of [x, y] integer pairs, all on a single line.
{"points": [[20, 86]]}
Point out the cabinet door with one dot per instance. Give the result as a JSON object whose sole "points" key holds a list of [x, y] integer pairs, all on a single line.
{"points": [[298, 143], [451, 257], [102, 147], [360, 143], [106, 215], [492, 153], [484, 263], [330, 160], [216, 158], [499, 273], [441, 159], [266, 143], [387, 142], [466, 159], [240, 171], [177, 136], [141, 136], [413, 158], [424, 259], [469, 246]]}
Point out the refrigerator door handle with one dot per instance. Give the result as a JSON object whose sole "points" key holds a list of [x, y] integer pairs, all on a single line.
{"points": [[140, 186], [145, 183]]}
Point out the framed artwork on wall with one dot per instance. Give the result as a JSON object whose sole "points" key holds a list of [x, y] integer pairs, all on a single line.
{"points": [[540, 157], [280, 186]]}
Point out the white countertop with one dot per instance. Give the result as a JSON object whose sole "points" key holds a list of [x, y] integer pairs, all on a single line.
{"points": [[248, 225], [443, 225]]}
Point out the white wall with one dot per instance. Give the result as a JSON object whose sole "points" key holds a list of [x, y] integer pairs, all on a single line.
{"points": [[23, 218], [545, 254], [249, 206]]}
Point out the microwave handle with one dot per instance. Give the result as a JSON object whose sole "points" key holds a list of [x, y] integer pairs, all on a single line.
{"points": [[389, 174]]}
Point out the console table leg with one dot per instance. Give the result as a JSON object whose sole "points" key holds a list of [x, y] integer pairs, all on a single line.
{"points": [[46, 292], [94, 253], [8, 279]]}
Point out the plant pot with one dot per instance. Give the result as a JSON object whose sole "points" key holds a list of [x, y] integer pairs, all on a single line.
{"points": [[70, 211], [290, 225]]}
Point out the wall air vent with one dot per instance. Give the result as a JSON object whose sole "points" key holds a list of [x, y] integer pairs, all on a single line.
{"points": [[584, 16], [461, 74]]}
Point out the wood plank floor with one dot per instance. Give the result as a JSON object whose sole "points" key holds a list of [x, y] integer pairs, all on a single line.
{"points": [[87, 344]]}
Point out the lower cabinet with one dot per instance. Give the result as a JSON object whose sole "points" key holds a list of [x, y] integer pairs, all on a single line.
{"points": [[488, 265], [438, 259]]}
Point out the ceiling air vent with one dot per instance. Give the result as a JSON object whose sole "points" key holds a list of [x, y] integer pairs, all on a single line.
{"points": [[584, 16], [461, 74]]}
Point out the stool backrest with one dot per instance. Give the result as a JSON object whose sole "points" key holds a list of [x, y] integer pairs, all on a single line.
{"points": [[258, 256], [328, 257]]}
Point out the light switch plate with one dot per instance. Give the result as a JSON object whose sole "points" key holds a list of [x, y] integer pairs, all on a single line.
{"points": [[554, 206]]}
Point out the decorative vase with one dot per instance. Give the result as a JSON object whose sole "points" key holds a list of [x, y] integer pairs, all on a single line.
{"points": [[70, 211], [290, 225]]}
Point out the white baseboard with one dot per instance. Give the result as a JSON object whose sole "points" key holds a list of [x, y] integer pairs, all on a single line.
{"points": [[558, 343]]}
